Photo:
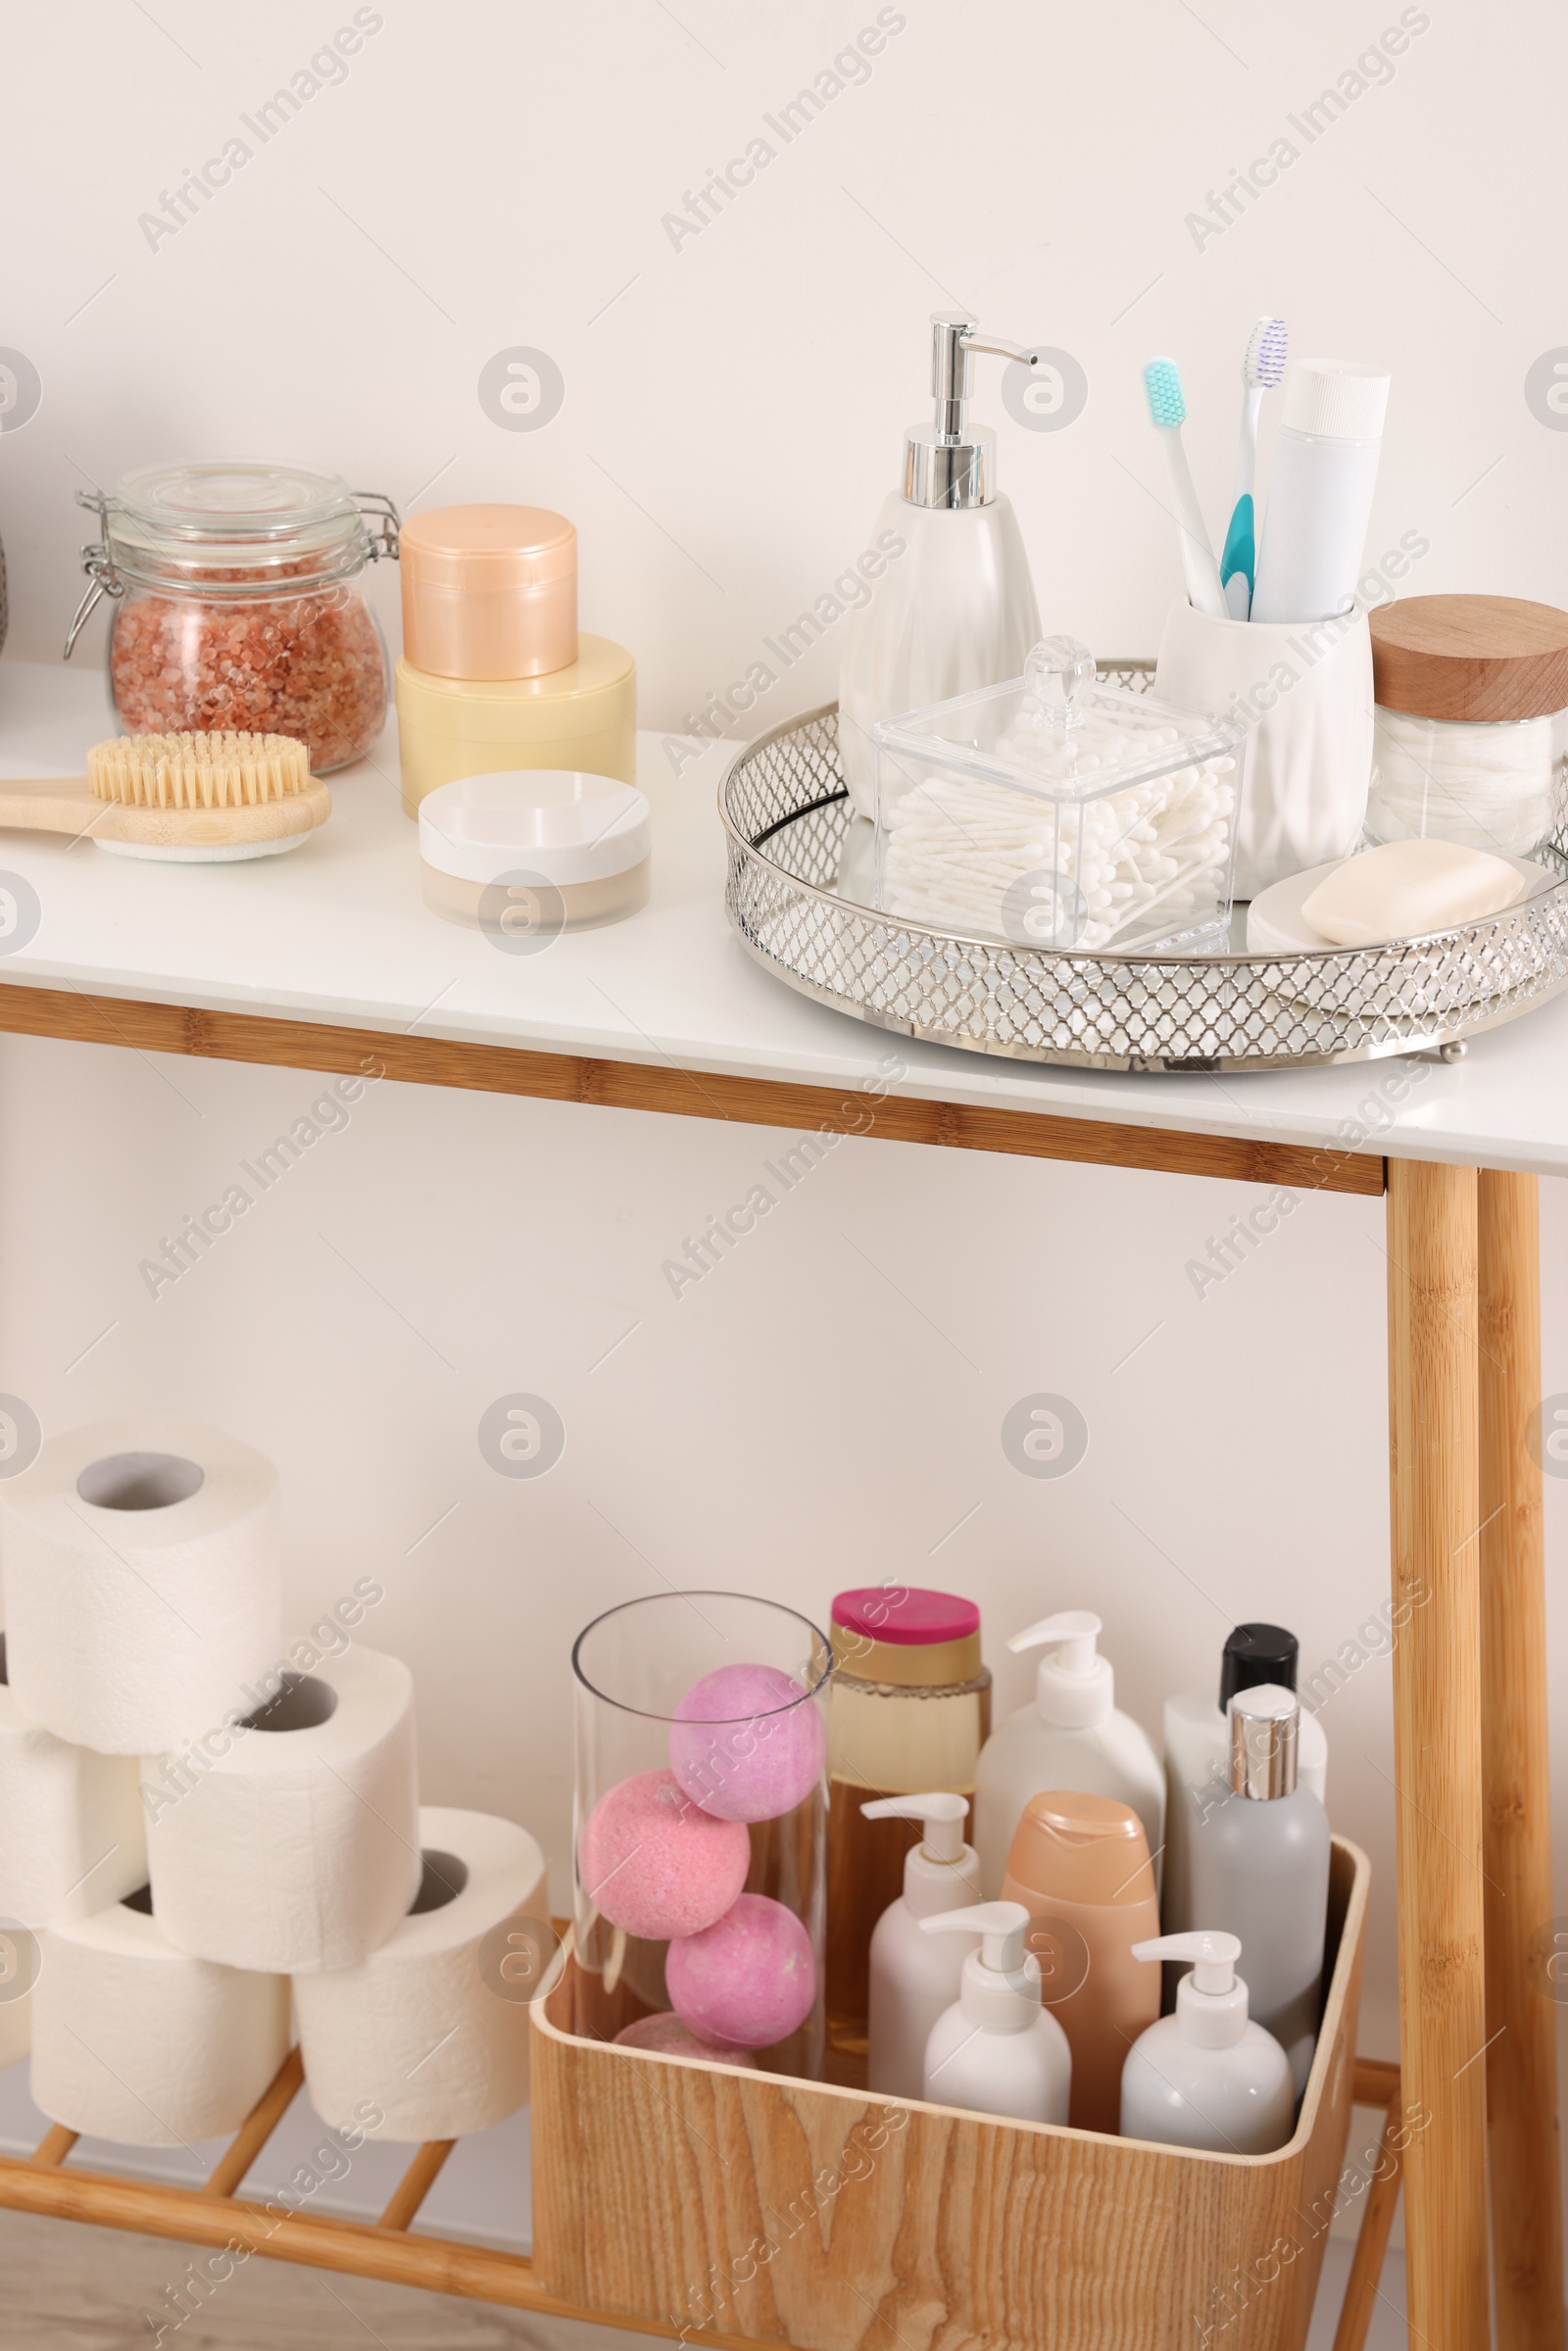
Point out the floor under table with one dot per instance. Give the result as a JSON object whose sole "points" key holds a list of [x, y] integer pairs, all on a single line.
{"points": [[70, 2287]]}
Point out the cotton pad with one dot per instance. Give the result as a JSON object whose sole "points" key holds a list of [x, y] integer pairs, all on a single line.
{"points": [[1408, 888]]}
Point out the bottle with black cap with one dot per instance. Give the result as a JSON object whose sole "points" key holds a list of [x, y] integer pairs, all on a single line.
{"points": [[1197, 1761], [1259, 1869]]}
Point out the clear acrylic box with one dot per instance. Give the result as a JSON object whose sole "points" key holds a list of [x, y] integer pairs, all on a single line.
{"points": [[1055, 811]]}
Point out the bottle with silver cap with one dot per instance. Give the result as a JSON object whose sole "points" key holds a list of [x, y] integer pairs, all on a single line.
{"points": [[955, 608], [1258, 1864]]}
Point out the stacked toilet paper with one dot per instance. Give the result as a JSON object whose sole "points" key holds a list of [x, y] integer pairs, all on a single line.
{"points": [[193, 1825]]}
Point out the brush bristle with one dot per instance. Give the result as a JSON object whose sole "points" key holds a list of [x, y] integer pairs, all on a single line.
{"points": [[1163, 381], [199, 771], [1264, 363]]}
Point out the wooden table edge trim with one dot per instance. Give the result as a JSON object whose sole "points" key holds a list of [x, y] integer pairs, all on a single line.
{"points": [[281, 1042]]}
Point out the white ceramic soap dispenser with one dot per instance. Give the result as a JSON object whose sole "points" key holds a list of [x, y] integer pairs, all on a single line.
{"points": [[914, 1976], [956, 609], [1070, 1736], [997, 2051], [1206, 2076]]}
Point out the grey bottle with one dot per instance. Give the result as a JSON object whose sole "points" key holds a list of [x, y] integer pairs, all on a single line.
{"points": [[1259, 1870]]}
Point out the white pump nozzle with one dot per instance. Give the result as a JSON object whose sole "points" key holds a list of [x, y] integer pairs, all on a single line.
{"points": [[1210, 2002], [1213, 1957], [1001, 1926], [942, 1812], [1075, 1688]]}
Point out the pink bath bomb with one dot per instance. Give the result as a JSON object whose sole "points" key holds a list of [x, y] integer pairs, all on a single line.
{"points": [[654, 1863], [671, 2038], [747, 1743], [751, 1978]]}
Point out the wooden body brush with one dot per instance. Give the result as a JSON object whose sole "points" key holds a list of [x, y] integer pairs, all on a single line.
{"points": [[196, 799]]}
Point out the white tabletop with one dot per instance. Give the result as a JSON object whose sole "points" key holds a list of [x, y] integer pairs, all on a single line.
{"points": [[337, 932]]}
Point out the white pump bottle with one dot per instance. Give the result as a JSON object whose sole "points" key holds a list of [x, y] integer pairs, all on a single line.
{"points": [[1070, 1736], [997, 2051], [956, 609], [914, 1976], [1206, 2076]]}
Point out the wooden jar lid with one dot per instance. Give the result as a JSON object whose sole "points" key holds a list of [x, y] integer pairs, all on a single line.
{"points": [[1470, 656]]}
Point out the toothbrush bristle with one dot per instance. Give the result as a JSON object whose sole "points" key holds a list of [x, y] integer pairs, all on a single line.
{"points": [[1163, 381], [1264, 363]]}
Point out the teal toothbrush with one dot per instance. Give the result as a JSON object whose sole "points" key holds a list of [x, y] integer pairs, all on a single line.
{"points": [[1167, 410], [1262, 368]]}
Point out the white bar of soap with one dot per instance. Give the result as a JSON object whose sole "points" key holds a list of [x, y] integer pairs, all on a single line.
{"points": [[1408, 888]]}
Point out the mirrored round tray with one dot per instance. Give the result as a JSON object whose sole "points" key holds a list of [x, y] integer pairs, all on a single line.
{"points": [[796, 862]]}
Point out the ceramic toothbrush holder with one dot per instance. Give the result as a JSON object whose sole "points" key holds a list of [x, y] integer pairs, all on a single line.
{"points": [[1302, 689]]}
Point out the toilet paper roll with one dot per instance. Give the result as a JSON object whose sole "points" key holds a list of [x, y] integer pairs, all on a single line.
{"points": [[299, 1848], [140, 1561], [135, 2041], [433, 2028], [72, 1829]]}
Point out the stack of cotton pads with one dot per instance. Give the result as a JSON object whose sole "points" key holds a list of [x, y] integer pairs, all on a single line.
{"points": [[195, 1822]]}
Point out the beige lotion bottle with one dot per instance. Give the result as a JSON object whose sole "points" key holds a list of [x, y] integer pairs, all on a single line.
{"points": [[1080, 1865]]}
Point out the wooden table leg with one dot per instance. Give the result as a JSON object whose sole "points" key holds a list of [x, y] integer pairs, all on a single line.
{"points": [[1516, 1798], [1437, 1747]]}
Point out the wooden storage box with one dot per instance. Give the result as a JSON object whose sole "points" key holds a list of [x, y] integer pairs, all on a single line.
{"points": [[747, 2207]]}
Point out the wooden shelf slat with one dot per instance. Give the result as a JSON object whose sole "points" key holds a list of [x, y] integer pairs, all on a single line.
{"points": [[290, 1044], [349, 2248], [257, 2128], [415, 2184]]}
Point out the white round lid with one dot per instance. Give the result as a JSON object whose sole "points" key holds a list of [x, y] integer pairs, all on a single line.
{"points": [[560, 824]]}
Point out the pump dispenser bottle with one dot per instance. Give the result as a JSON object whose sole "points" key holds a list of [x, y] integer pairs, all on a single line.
{"points": [[914, 1976], [956, 610], [1260, 1870], [1070, 1736], [1206, 2076], [996, 2050]]}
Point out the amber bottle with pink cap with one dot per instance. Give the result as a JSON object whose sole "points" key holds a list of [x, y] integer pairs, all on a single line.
{"points": [[909, 1711]]}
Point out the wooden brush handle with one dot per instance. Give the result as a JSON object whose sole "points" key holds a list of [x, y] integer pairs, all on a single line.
{"points": [[49, 804], [55, 804]]}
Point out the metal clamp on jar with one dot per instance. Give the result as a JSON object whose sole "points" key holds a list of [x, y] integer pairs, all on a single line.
{"points": [[238, 603]]}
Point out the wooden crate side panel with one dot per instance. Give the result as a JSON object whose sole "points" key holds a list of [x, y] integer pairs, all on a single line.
{"points": [[773, 2211]]}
